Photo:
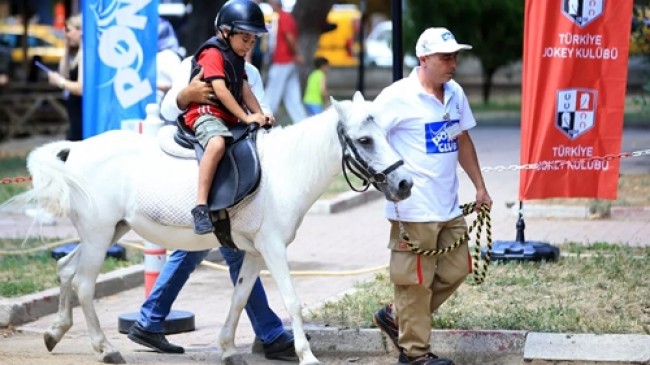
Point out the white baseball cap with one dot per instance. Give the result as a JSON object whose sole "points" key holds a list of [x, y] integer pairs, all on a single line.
{"points": [[437, 40]]}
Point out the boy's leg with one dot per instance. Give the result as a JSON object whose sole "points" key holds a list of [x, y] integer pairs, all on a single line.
{"points": [[148, 330], [211, 133], [213, 152], [277, 343]]}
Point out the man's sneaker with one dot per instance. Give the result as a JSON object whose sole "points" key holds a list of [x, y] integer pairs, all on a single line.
{"points": [[384, 319], [426, 359], [282, 348], [152, 340], [202, 222]]}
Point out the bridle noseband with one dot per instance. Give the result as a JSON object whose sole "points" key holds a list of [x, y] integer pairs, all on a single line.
{"points": [[359, 167]]}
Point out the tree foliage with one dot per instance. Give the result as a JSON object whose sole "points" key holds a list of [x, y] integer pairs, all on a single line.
{"points": [[493, 27]]}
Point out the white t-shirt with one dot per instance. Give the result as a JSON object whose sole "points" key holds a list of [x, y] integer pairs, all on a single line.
{"points": [[167, 63], [424, 132], [169, 108]]}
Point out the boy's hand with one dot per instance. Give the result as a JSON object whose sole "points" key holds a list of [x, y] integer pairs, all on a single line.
{"points": [[258, 118], [270, 119]]}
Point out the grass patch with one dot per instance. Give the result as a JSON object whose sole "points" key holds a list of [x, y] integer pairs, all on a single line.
{"points": [[340, 185], [30, 273], [602, 288], [11, 167], [633, 191]]}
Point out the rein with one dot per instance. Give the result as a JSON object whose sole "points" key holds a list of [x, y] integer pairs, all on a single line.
{"points": [[361, 168], [482, 221]]}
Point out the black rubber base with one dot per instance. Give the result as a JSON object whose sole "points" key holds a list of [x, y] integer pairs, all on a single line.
{"points": [[522, 251], [176, 322]]}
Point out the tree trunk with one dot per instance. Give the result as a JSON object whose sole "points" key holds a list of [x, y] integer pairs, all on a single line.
{"points": [[311, 17], [486, 86], [199, 25]]}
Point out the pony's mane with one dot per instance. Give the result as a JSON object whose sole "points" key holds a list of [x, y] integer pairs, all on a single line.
{"points": [[311, 129]]}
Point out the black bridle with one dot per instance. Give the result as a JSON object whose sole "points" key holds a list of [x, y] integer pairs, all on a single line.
{"points": [[359, 167]]}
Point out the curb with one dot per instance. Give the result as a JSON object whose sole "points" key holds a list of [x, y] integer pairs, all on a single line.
{"points": [[344, 201], [33, 306]]}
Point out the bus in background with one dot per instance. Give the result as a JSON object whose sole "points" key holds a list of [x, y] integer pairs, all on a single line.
{"points": [[341, 45]]}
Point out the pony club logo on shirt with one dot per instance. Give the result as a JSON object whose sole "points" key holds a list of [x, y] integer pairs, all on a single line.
{"points": [[582, 12], [576, 111], [438, 139]]}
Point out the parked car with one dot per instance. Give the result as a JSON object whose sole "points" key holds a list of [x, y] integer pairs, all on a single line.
{"points": [[43, 41], [379, 47]]}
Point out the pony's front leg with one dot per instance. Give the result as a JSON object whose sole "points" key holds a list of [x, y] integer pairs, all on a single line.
{"points": [[248, 274], [274, 253]]}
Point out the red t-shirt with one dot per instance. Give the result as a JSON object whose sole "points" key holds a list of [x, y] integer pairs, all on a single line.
{"points": [[212, 62], [286, 24]]}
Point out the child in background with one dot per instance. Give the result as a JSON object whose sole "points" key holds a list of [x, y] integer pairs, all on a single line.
{"points": [[316, 94]]}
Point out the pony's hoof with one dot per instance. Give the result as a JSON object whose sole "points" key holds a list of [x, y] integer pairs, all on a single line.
{"points": [[50, 342], [113, 358], [235, 360]]}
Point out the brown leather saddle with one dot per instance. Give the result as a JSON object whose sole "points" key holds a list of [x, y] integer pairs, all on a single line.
{"points": [[238, 174]]}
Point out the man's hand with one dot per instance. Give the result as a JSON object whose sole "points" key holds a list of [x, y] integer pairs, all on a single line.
{"points": [[197, 91]]}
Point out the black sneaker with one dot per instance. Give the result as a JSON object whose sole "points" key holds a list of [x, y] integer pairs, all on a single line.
{"points": [[202, 222], [152, 340], [282, 348], [384, 319], [426, 359]]}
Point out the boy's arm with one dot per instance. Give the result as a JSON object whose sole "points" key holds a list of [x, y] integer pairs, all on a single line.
{"points": [[228, 101], [323, 90]]}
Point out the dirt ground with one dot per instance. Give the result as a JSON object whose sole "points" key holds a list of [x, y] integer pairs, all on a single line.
{"points": [[29, 349]]}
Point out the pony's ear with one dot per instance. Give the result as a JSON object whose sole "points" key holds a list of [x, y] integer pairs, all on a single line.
{"points": [[338, 106], [358, 97]]}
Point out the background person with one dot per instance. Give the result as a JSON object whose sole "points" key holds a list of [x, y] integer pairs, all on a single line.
{"points": [[70, 77], [427, 118], [168, 58], [316, 93], [283, 79]]}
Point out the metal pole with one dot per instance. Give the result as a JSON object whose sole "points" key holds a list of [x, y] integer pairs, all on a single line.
{"points": [[398, 62], [362, 49]]}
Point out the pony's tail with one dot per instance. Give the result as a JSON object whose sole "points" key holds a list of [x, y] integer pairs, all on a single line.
{"points": [[52, 184]]}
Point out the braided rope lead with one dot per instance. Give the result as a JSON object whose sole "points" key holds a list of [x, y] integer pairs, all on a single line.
{"points": [[482, 221]]}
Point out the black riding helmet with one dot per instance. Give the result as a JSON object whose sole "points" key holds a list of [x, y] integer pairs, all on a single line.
{"points": [[242, 16]]}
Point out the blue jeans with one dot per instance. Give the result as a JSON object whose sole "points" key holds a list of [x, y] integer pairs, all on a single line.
{"points": [[180, 264], [313, 109]]}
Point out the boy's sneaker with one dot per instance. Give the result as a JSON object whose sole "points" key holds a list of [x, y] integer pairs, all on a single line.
{"points": [[202, 222], [384, 319], [426, 359]]}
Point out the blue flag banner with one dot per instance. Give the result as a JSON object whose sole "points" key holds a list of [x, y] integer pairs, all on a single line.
{"points": [[119, 62]]}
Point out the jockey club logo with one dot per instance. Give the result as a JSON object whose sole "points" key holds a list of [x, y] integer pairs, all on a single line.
{"points": [[582, 12], [575, 111]]}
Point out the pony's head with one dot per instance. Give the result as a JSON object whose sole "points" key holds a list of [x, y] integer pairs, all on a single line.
{"points": [[366, 151]]}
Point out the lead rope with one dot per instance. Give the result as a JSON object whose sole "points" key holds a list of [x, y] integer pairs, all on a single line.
{"points": [[482, 221]]}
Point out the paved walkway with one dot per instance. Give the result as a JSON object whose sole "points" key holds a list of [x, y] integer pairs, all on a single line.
{"points": [[355, 239]]}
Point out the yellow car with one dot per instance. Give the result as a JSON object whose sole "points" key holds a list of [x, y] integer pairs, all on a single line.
{"points": [[42, 40]]}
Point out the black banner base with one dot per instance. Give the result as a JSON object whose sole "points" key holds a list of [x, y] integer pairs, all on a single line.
{"points": [[522, 251]]}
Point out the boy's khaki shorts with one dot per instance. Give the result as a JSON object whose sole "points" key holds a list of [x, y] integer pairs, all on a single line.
{"points": [[208, 126]]}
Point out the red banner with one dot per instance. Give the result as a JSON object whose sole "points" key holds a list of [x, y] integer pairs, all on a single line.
{"points": [[573, 96]]}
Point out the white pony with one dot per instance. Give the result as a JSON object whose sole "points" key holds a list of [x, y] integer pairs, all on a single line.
{"points": [[119, 180]]}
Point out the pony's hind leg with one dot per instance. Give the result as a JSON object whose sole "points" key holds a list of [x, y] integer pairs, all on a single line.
{"points": [[92, 251], [66, 268]]}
